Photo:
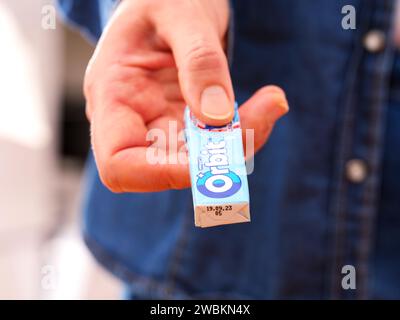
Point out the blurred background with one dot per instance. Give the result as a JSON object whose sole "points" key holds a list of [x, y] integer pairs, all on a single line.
{"points": [[44, 138]]}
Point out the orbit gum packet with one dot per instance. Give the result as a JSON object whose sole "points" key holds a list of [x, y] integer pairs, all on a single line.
{"points": [[217, 172]]}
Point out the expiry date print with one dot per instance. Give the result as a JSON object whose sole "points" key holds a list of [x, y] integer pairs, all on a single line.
{"points": [[218, 210]]}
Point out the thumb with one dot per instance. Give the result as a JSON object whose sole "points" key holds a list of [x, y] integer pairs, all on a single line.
{"points": [[202, 66], [260, 113]]}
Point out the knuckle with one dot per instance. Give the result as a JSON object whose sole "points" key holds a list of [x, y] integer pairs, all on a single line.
{"points": [[88, 82], [88, 112], [87, 87], [203, 56]]}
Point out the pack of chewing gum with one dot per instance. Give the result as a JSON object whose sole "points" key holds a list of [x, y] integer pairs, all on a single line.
{"points": [[217, 172]]}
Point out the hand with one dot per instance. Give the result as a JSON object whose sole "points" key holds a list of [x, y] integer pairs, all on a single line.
{"points": [[153, 58]]}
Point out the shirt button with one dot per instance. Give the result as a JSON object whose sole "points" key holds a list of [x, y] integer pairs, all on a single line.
{"points": [[374, 41], [356, 170]]}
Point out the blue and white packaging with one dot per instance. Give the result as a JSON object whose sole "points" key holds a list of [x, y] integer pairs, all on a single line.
{"points": [[218, 172]]}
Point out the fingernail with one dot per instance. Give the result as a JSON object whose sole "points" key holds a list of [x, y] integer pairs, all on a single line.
{"points": [[215, 104]]}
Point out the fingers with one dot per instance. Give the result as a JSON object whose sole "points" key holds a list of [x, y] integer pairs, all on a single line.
{"points": [[126, 160], [260, 113], [125, 154], [203, 69], [128, 171]]}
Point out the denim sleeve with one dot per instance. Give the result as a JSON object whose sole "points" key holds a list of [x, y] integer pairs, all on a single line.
{"points": [[89, 16]]}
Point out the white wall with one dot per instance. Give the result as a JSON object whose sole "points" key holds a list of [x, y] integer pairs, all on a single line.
{"points": [[39, 198]]}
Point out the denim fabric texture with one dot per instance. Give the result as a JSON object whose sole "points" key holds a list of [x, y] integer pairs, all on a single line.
{"points": [[308, 218]]}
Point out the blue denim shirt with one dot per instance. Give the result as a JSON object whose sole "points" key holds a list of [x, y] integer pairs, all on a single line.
{"points": [[309, 217]]}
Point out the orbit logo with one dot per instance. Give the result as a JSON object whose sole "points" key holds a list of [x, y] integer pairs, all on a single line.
{"points": [[218, 181]]}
